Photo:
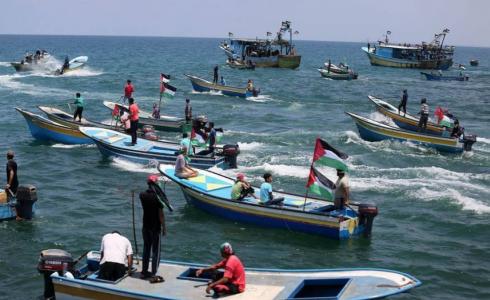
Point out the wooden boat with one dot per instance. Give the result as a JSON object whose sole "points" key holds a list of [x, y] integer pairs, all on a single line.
{"points": [[117, 144], [277, 53], [25, 66], [164, 123], [431, 76], [404, 121], [474, 62], [212, 193], [337, 76], [235, 64], [374, 131], [264, 284], [202, 85], [425, 56], [45, 129]]}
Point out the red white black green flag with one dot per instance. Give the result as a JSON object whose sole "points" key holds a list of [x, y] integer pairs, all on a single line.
{"points": [[320, 185], [329, 156]]}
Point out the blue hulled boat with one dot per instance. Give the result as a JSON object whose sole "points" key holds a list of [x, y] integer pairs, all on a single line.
{"points": [[21, 205], [212, 193], [440, 77], [117, 144], [201, 85], [374, 131], [182, 283], [44, 129]]}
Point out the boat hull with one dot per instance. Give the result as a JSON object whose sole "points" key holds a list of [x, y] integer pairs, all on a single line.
{"points": [[337, 76], [200, 85], [289, 61], [7, 212], [373, 131], [44, 129], [377, 60], [433, 77]]}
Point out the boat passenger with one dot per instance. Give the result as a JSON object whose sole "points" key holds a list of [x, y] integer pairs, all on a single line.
{"points": [[215, 77], [66, 65], [241, 188], [153, 226], [222, 81], [182, 168], [403, 103], [250, 85], [186, 141], [329, 65], [188, 110], [211, 140], [457, 130], [128, 91], [232, 281], [156, 111], [115, 251], [424, 115], [78, 111], [266, 196], [126, 122], [12, 181], [134, 118], [341, 190]]}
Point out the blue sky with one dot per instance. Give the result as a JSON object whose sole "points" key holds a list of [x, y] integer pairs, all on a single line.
{"points": [[346, 20]]}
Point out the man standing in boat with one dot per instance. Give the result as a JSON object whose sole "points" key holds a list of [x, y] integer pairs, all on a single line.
{"points": [[403, 103], [215, 77], [342, 190], [153, 226], [12, 181], [134, 118], [232, 280], [188, 111], [128, 91], [78, 111], [424, 115]]}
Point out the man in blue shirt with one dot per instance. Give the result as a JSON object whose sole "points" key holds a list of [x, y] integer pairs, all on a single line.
{"points": [[266, 196], [186, 142]]}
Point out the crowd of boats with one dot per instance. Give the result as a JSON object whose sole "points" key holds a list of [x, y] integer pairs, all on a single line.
{"points": [[211, 191], [40, 61]]}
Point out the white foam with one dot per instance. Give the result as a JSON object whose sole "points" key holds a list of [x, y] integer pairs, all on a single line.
{"points": [[83, 72], [65, 146], [483, 140], [260, 98], [130, 166], [382, 119], [250, 146], [10, 82], [5, 64], [214, 93]]}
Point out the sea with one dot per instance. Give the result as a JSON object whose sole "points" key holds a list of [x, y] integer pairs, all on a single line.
{"points": [[434, 208]]}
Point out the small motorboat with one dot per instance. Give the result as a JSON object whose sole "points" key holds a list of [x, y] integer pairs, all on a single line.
{"points": [[44, 129], [74, 64], [64, 280], [474, 62], [337, 76], [235, 64], [32, 61], [373, 131], [440, 77], [202, 85], [21, 205]]}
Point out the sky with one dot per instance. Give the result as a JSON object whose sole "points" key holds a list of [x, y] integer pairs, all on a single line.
{"points": [[324, 20]]}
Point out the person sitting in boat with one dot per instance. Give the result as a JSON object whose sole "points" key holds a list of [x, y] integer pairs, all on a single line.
{"points": [[211, 140], [232, 281], [266, 196], [186, 142], [115, 251], [126, 123], [222, 81], [457, 130], [156, 111], [250, 85], [424, 115], [182, 168], [241, 188]]}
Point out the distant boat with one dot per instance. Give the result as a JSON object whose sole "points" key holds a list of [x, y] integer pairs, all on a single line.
{"points": [[474, 62], [74, 64], [202, 85], [425, 56], [31, 62], [440, 77], [264, 53], [337, 76]]}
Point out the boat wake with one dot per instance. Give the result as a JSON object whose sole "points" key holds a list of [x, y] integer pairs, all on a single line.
{"points": [[65, 146], [382, 119], [213, 93], [4, 64], [11, 82], [260, 98], [130, 166], [483, 140], [249, 146], [83, 72]]}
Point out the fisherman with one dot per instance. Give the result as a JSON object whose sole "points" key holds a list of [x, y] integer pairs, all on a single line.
{"points": [[12, 181], [215, 77], [186, 141], [266, 196], [233, 279], [115, 252], [222, 81], [424, 115], [211, 140], [182, 168], [341, 197], [329, 65], [66, 65], [403, 103], [78, 111], [188, 111], [128, 91], [250, 85], [156, 111], [153, 226], [457, 130], [241, 188], [134, 118]]}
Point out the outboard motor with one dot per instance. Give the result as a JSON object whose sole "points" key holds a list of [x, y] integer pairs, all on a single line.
{"points": [[26, 197], [367, 212], [230, 152], [50, 261], [468, 141]]}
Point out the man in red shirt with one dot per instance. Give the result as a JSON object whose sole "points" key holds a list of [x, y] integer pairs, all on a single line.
{"points": [[133, 118], [128, 90], [233, 279]]}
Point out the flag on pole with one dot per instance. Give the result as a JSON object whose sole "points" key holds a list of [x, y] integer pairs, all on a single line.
{"points": [[167, 90], [164, 78], [327, 155], [320, 185]]}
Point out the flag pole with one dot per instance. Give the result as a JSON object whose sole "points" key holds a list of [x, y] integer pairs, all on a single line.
{"points": [[160, 102], [307, 189]]}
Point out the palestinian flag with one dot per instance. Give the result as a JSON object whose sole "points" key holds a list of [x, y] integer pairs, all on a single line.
{"points": [[164, 78], [320, 185], [167, 90], [329, 156]]}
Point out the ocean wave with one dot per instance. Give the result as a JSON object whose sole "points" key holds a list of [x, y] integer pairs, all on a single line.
{"points": [[10, 82], [483, 140], [83, 72], [130, 166], [4, 64], [250, 146], [260, 98]]}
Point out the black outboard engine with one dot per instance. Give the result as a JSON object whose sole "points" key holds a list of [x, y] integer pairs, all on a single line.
{"points": [[230, 152], [26, 197], [50, 261], [468, 141], [367, 212]]}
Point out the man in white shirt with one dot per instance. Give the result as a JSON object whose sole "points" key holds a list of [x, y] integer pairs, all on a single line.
{"points": [[116, 256], [341, 190]]}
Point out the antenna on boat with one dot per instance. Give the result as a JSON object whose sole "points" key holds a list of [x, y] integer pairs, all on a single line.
{"points": [[386, 36]]}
